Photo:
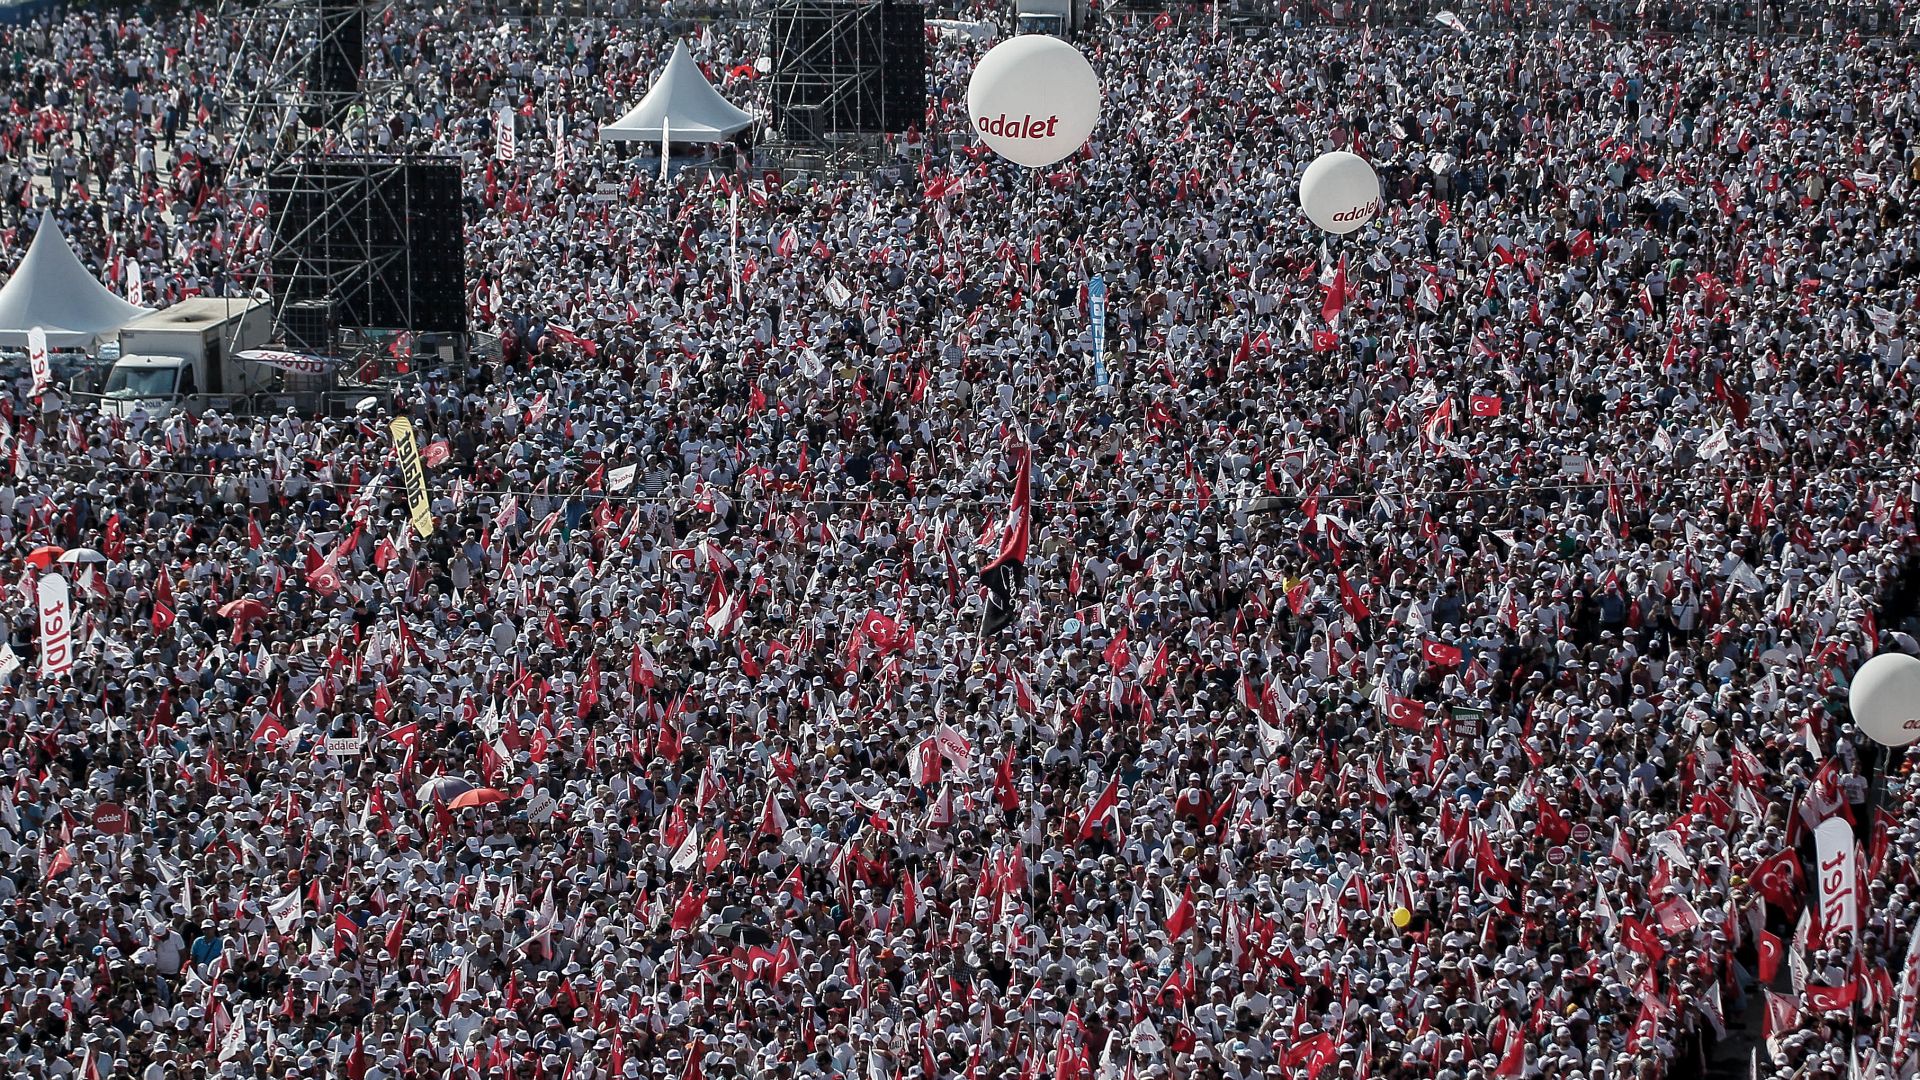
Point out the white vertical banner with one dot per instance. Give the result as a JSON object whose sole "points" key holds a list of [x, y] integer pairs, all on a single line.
{"points": [[1907, 995], [1839, 880], [503, 134], [39, 361], [56, 627], [733, 240], [666, 130], [136, 285]]}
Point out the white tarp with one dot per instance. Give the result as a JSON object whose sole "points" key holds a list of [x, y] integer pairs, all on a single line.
{"points": [[51, 290], [683, 101], [979, 32]]}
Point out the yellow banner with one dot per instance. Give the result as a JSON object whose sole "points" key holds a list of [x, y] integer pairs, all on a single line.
{"points": [[413, 473]]}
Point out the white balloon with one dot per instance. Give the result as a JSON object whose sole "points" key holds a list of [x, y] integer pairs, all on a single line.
{"points": [[1034, 99], [1340, 192], [1885, 698]]}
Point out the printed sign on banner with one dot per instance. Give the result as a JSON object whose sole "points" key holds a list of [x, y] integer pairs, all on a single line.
{"points": [[56, 626], [1839, 883], [503, 134], [39, 360], [110, 819], [413, 473], [346, 747]]}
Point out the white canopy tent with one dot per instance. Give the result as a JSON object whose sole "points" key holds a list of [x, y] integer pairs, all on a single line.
{"points": [[51, 290], [681, 105]]}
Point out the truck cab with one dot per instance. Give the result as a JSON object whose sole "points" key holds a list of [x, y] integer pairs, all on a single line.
{"points": [[154, 384], [1060, 18], [1039, 23]]}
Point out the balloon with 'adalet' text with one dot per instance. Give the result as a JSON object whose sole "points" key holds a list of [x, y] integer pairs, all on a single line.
{"points": [[1340, 192], [1884, 698], [1034, 99]]}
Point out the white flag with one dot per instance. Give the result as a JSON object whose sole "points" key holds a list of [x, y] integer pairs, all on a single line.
{"points": [[1742, 576], [1715, 446], [621, 479], [286, 911], [236, 1042], [686, 854]]}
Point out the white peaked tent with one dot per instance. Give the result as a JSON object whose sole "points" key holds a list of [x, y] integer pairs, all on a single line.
{"points": [[51, 290], [682, 104]]}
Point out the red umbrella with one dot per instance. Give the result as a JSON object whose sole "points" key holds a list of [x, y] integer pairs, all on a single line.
{"points": [[480, 796], [43, 557], [243, 609]]}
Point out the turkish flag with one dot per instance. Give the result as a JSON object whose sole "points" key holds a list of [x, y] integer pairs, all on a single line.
{"points": [[1513, 1061], [269, 731], [881, 630], [1778, 880], [1551, 825], [715, 853], [1297, 596], [1768, 946], [346, 934], [1351, 599], [688, 909], [1483, 405], [1782, 1014], [1314, 1054], [1336, 299], [1102, 806], [1440, 654], [163, 613], [1640, 939], [1406, 713], [1325, 341], [1182, 918], [1831, 999]]}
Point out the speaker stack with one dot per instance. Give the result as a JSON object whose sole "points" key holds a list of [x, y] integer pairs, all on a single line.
{"points": [[903, 66], [379, 240], [334, 70], [847, 66]]}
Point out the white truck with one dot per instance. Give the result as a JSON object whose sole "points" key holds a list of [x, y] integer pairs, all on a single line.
{"points": [[182, 357], [1061, 18]]}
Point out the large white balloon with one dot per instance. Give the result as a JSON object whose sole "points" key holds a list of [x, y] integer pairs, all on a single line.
{"points": [[1885, 698], [1340, 192], [1034, 99]]}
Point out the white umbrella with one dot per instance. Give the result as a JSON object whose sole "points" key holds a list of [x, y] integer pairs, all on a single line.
{"points": [[82, 555]]}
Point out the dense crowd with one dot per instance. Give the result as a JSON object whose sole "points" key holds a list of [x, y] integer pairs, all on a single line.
{"points": [[1428, 660]]}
